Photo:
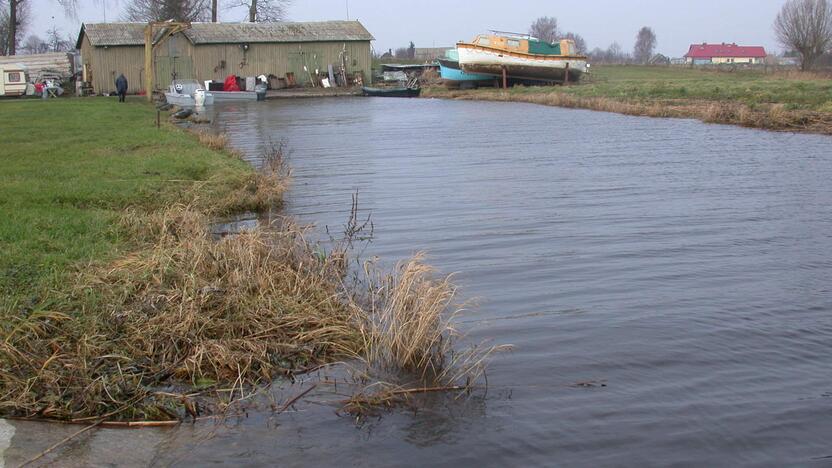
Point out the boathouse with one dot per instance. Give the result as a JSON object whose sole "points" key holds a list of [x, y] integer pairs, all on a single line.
{"points": [[212, 51]]}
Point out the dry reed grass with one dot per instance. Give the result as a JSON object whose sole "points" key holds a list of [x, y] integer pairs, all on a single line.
{"points": [[188, 322], [409, 339], [188, 309], [769, 117], [215, 141]]}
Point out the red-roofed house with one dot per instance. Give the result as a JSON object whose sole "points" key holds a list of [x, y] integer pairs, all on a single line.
{"points": [[702, 54]]}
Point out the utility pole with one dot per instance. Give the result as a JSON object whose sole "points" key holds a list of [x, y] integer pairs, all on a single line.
{"points": [[213, 11], [348, 9]]}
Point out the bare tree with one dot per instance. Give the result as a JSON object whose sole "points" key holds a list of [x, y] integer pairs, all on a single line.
{"points": [[35, 45], [614, 54], [263, 11], [56, 43], [645, 45], [545, 28], [162, 10], [16, 17], [805, 26], [580, 42]]}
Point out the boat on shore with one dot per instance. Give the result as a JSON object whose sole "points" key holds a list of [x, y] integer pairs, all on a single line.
{"points": [[523, 57], [401, 92], [188, 93], [455, 77]]}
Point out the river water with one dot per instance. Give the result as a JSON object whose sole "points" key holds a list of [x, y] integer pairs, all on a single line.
{"points": [[665, 284]]}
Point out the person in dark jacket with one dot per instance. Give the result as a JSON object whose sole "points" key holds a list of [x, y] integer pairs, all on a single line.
{"points": [[121, 87]]}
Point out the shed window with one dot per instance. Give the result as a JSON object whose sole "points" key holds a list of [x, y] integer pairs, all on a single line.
{"points": [[513, 43], [14, 77]]}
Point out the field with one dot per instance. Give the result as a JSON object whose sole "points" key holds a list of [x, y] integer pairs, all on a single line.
{"points": [[71, 167], [778, 101]]}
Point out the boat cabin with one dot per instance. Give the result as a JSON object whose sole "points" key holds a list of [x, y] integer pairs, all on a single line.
{"points": [[13, 80], [526, 45]]}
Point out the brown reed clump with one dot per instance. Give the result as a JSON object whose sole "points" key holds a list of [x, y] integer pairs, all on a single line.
{"points": [[142, 337], [215, 141], [409, 339], [187, 310]]}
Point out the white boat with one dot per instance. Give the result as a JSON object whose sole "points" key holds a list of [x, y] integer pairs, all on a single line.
{"points": [[522, 57], [223, 96], [188, 93]]}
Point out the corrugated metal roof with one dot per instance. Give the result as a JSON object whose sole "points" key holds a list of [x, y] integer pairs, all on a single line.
{"points": [[214, 33], [113, 34], [119, 34]]}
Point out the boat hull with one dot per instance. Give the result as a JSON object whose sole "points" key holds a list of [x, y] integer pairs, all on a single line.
{"points": [[392, 92], [451, 71], [186, 100], [488, 61], [225, 96]]}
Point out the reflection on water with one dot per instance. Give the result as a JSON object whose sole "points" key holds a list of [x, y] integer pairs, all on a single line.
{"points": [[686, 266]]}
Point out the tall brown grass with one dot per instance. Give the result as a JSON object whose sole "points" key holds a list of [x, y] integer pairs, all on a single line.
{"points": [[769, 116], [189, 321]]}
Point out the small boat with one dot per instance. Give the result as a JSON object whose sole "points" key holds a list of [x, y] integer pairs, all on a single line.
{"points": [[404, 91], [450, 71], [188, 93], [224, 96], [522, 57]]}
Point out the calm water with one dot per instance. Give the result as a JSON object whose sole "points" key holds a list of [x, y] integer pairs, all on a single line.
{"points": [[684, 266]]}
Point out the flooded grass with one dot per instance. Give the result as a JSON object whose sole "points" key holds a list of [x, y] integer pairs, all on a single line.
{"points": [[780, 101], [165, 321]]}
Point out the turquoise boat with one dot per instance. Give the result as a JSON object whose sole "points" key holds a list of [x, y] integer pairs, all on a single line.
{"points": [[450, 71]]}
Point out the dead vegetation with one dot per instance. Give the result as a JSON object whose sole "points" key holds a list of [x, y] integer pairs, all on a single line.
{"points": [[215, 141], [188, 323], [767, 116]]}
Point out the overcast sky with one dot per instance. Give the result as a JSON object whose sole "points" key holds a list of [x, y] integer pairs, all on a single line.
{"points": [[677, 23]]}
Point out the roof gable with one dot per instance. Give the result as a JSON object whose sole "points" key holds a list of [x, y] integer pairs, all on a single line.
{"points": [[706, 51], [132, 34]]}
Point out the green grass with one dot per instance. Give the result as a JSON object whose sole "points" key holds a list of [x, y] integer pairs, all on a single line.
{"points": [[70, 167], [651, 84]]}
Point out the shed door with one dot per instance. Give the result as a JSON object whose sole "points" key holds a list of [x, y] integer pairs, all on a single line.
{"points": [[172, 68]]}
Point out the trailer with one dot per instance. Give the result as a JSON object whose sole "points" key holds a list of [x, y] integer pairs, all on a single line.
{"points": [[12, 79]]}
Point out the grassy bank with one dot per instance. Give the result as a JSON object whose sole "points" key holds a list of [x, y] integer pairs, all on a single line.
{"points": [[798, 102], [120, 305], [70, 169]]}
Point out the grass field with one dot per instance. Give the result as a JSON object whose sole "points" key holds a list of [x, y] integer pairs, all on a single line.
{"points": [[793, 101], [70, 168]]}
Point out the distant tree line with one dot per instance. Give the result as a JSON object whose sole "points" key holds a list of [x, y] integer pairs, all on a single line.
{"points": [[546, 29], [257, 11]]}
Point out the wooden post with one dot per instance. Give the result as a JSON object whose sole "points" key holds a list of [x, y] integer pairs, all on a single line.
{"points": [[505, 77], [148, 61], [566, 76], [158, 118]]}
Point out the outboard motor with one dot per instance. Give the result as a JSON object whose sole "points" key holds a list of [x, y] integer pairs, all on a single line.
{"points": [[199, 97]]}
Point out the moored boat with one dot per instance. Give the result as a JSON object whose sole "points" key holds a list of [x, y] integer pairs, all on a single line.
{"points": [[188, 93], [522, 57], [392, 92]]}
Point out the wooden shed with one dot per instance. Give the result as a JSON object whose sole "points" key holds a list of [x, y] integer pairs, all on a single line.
{"points": [[212, 51]]}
